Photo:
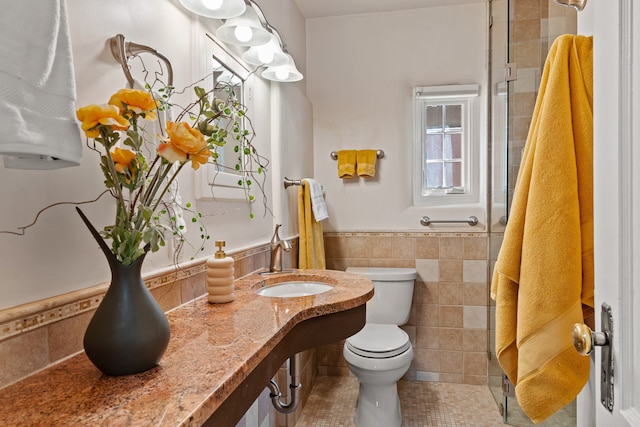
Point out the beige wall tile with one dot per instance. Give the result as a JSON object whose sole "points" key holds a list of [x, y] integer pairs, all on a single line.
{"points": [[65, 337], [427, 315], [403, 248], [193, 287], [475, 317], [168, 297], [475, 379], [335, 247], [451, 248], [428, 269], [428, 247], [451, 362], [451, 293], [446, 377], [426, 293], [23, 354], [381, 247], [475, 363], [528, 29], [427, 338], [451, 316], [475, 248], [450, 270], [358, 247], [474, 271], [526, 9], [475, 294], [450, 339], [475, 340], [425, 360]]}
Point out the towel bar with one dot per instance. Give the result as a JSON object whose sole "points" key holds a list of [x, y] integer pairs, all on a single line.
{"points": [[379, 154], [289, 182], [472, 220]]}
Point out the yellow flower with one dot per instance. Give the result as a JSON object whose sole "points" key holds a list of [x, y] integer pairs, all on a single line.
{"points": [[138, 101], [184, 143], [93, 115], [122, 159]]}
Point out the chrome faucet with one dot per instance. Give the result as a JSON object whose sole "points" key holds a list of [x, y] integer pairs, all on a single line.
{"points": [[277, 246]]}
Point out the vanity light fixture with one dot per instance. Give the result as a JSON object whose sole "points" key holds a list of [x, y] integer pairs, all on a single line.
{"points": [[576, 4], [269, 54], [218, 9], [283, 73], [244, 30], [246, 25]]}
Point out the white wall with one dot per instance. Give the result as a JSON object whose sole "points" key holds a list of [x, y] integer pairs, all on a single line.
{"points": [[57, 255], [361, 71]]}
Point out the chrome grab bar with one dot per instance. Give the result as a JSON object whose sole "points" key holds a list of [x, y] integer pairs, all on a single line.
{"points": [[426, 221]]}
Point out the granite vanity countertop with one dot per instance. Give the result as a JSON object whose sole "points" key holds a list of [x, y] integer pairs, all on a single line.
{"points": [[213, 349]]}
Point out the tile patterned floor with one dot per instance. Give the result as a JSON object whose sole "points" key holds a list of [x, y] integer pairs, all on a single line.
{"points": [[333, 399]]}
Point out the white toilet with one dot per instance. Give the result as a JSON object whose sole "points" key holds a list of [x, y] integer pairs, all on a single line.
{"points": [[380, 354]]}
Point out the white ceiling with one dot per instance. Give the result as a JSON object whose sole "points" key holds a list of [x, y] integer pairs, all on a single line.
{"points": [[323, 8]]}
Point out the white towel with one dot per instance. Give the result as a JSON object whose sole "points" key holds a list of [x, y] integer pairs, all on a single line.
{"points": [[37, 87], [318, 205]]}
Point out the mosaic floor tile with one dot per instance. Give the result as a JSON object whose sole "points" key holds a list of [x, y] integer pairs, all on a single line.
{"points": [[333, 399]]}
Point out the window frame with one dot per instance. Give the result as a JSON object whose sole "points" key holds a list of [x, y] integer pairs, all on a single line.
{"points": [[468, 97]]}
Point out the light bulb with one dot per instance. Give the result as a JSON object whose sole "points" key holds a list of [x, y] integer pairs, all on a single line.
{"points": [[243, 33], [266, 56], [212, 4], [282, 74]]}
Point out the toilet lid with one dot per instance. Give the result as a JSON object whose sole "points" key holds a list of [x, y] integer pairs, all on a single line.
{"points": [[379, 341]]}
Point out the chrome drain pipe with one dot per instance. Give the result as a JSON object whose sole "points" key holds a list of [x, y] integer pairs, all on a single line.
{"points": [[294, 386]]}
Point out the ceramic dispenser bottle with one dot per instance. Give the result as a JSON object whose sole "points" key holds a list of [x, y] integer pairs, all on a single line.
{"points": [[220, 276]]}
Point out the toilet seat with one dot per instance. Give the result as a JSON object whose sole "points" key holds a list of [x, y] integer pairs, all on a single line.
{"points": [[378, 341]]}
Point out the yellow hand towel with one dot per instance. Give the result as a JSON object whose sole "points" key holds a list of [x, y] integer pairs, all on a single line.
{"points": [[311, 239], [346, 163], [366, 160], [543, 279]]}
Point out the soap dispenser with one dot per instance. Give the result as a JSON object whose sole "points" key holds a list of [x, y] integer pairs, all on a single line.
{"points": [[220, 276]]}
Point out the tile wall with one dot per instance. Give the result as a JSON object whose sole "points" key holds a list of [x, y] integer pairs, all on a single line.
{"points": [[448, 323]]}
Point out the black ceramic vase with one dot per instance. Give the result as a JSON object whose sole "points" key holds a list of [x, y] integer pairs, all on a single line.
{"points": [[129, 332]]}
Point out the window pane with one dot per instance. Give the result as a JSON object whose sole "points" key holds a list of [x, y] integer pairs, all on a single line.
{"points": [[453, 174], [434, 117], [453, 115], [434, 175], [434, 147], [453, 146]]}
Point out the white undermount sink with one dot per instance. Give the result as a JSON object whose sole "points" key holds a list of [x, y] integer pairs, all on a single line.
{"points": [[294, 289]]}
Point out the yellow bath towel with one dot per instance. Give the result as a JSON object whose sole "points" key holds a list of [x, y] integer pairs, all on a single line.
{"points": [[311, 239], [366, 160], [543, 279], [346, 163]]}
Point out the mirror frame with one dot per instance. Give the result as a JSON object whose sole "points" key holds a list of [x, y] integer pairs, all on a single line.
{"points": [[210, 182]]}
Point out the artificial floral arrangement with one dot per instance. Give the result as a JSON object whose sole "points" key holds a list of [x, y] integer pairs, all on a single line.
{"points": [[140, 168]]}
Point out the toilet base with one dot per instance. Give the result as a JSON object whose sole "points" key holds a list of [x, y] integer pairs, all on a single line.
{"points": [[378, 406]]}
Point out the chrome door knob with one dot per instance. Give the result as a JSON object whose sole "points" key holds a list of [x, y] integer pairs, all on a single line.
{"points": [[584, 339]]}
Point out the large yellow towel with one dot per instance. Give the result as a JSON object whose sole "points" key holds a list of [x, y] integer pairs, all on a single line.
{"points": [[311, 239], [366, 160], [346, 163], [544, 274]]}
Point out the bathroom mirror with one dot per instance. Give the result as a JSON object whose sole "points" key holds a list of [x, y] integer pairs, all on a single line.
{"points": [[227, 76]]}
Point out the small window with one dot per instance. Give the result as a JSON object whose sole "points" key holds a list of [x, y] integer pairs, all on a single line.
{"points": [[446, 146]]}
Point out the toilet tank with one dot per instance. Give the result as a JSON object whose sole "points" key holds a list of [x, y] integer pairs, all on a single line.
{"points": [[392, 295]]}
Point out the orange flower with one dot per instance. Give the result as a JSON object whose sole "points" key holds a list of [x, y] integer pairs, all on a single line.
{"points": [[138, 101], [93, 115], [122, 159], [184, 143]]}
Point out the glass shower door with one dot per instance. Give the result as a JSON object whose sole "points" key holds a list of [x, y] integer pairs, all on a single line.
{"points": [[521, 34]]}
